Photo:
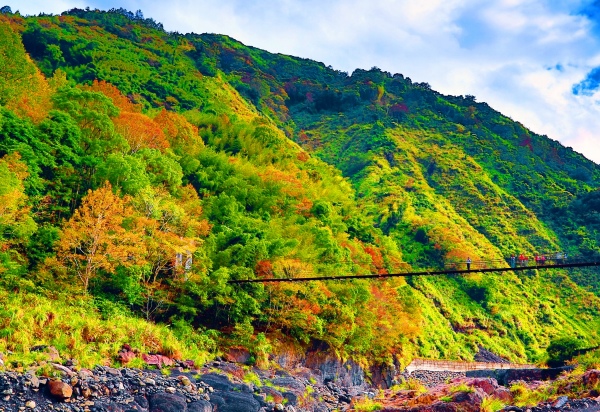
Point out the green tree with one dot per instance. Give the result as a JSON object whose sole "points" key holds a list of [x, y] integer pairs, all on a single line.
{"points": [[561, 350]]}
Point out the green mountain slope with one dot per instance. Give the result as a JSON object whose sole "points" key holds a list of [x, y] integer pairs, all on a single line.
{"points": [[222, 161]]}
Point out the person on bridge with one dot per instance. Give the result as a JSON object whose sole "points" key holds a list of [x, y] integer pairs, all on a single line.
{"points": [[513, 261], [468, 263], [542, 260], [521, 260]]}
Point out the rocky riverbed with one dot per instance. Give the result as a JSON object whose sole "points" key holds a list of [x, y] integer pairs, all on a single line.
{"points": [[220, 385], [231, 386]]}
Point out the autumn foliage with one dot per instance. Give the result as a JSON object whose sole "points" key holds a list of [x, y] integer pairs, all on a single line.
{"points": [[227, 163], [140, 131], [94, 238]]}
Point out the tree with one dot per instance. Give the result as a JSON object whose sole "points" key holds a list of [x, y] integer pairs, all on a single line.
{"points": [[181, 134], [140, 131], [16, 223], [23, 88], [171, 231], [114, 94], [560, 350], [93, 112], [94, 238]]}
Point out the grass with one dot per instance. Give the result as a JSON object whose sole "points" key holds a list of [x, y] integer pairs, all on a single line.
{"points": [[463, 387], [410, 384], [79, 331], [523, 396], [366, 405], [491, 404], [251, 377]]}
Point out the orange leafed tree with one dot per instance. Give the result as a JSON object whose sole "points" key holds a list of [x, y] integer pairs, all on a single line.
{"points": [[114, 94], [140, 131], [94, 238], [179, 132]]}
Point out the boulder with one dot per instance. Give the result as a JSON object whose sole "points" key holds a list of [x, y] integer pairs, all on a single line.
{"points": [[112, 407], [591, 377], [60, 390], [222, 383], [200, 406], [125, 356], [235, 402], [167, 402], [238, 355]]}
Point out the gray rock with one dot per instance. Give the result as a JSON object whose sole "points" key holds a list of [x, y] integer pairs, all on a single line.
{"points": [[561, 401], [200, 406], [167, 402], [235, 402]]}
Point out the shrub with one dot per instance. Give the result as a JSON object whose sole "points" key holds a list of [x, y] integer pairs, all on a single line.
{"points": [[561, 350], [491, 404]]}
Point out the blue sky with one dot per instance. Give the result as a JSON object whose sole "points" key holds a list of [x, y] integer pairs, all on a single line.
{"points": [[537, 61]]}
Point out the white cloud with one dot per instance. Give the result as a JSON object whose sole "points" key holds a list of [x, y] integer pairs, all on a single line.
{"points": [[498, 51]]}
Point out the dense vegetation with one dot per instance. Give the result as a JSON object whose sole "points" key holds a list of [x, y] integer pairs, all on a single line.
{"points": [[141, 170]]}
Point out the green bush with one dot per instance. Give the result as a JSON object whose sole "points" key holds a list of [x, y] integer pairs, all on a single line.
{"points": [[562, 350]]}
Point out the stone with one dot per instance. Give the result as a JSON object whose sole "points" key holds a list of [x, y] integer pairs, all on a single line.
{"points": [[63, 369], [34, 382], [560, 402], [200, 406], [60, 389], [238, 355], [30, 404], [113, 371], [235, 402], [126, 356], [170, 389], [184, 380], [167, 402], [85, 374], [150, 381]]}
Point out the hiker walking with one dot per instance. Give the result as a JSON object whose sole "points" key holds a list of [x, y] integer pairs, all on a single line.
{"points": [[513, 261], [468, 263]]}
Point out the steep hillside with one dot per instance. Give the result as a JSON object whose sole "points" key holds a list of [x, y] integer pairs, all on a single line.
{"points": [[146, 169]]}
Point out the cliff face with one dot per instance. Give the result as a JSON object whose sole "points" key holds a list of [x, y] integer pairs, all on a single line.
{"points": [[211, 161]]}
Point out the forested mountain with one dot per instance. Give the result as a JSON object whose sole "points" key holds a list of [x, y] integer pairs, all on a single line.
{"points": [[141, 170]]}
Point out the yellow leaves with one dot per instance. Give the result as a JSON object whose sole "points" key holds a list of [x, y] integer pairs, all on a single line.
{"points": [[94, 237], [23, 88]]}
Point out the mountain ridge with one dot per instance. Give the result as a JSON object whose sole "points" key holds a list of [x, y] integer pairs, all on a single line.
{"points": [[269, 165]]}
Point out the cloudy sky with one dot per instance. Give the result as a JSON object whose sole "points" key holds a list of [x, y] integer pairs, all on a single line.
{"points": [[537, 61]]}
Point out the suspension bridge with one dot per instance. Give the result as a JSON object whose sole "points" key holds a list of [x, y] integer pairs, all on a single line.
{"points": [[454, 268]]}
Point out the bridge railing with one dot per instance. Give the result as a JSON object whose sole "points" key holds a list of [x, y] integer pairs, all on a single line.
{"points": [[459, 366], [556, 258]]}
